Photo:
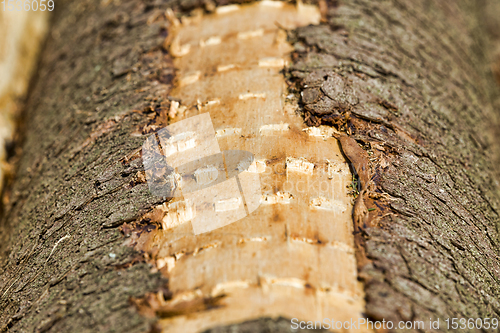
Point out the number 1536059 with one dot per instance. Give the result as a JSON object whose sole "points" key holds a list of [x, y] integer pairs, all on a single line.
{"points": [[26, 5]]}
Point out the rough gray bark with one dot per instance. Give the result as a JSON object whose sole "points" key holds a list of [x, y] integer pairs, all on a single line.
{"points": [[418, 95], [415, 81]]}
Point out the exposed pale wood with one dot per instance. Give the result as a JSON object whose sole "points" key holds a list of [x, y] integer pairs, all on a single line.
{"points": [[294, 255]]}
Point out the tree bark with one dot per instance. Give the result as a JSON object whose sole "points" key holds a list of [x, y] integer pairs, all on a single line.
{"points": [[406, 84]]}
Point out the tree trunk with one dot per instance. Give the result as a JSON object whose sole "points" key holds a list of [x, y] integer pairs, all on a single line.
{"points": [[405, 88]]}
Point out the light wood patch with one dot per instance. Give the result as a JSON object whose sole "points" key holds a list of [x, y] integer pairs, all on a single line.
{"points": [[293, 256]]}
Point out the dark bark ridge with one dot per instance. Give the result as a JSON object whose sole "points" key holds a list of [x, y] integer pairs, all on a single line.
{"points": [[409, 82]]}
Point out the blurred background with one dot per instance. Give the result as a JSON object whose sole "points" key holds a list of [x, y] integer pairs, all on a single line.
{"points": [[21, 36]]}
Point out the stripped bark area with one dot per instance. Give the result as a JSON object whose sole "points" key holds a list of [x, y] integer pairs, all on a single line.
{"points": [[294, 255]]}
